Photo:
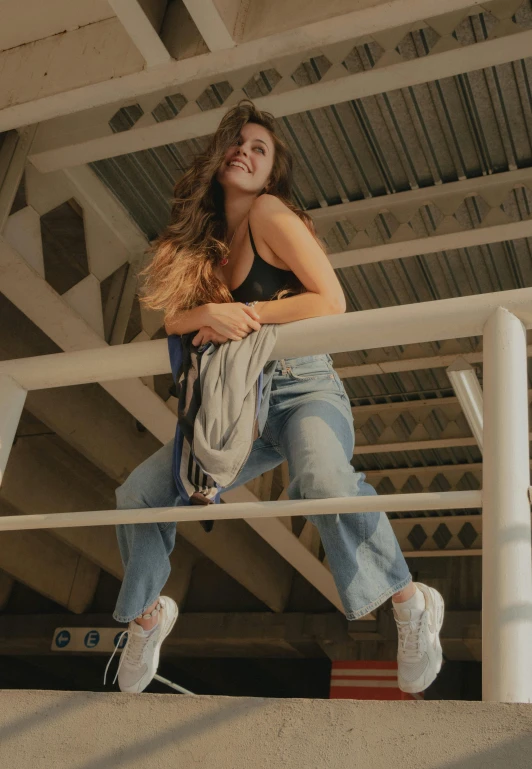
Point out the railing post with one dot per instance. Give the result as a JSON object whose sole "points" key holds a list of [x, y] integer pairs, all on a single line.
{"points": [[12, 399], [507, 564]]}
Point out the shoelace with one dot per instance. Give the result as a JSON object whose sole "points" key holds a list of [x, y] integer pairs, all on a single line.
{"points": [[133, 651], [409, 632]]}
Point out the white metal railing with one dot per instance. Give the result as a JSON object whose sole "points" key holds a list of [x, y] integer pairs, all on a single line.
{"points": [[392, 503], [502, 318], [386, 327]]}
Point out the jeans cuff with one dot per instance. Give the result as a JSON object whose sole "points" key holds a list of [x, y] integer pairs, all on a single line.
{"points": [[120, 618], [352, 615]]}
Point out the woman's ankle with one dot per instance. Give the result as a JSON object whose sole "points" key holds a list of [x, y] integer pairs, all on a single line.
{"points": [[150, 622], [404, 594]]}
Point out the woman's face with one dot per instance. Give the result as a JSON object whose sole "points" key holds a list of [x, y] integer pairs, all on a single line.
{"points": [[248, 163]]}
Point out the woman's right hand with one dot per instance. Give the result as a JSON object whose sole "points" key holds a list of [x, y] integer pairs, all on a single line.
{"points": [[233, 320]]}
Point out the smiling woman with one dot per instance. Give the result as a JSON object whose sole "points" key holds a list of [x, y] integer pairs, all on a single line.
{"points": [[236, 235], [236, 254], [220, 230]]}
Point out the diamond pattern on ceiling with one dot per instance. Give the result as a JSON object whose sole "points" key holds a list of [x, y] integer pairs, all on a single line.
{"points": [[451, 214], [417, 424], [423, 39], [125, 118]]}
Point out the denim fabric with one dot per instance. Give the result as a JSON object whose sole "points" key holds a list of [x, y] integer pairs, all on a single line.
{"points": [[309, 424]]}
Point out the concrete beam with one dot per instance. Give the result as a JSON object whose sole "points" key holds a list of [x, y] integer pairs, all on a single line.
{"points": [[13, 154], [61, 145], [96, 426], [62, 479], [85, 417], [83, 57], [38, 300], [414, 445], [210, 24], [140, 29], [410, 364], [495, 184], [427, 472], [399, 475], [12, 399], [106, 80], [92, 194], [480, 236], [48, 566]]}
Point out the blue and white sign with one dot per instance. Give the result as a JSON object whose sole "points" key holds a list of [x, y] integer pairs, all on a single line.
{"points": [[62, 639], [88, 639], [91, 639], [122, 642]]}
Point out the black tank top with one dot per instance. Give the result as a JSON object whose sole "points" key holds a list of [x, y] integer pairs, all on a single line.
{"points": [[264, 280]]}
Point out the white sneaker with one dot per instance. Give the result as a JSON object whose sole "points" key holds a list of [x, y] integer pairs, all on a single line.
{"points": [[419, 655], [140, 657]]}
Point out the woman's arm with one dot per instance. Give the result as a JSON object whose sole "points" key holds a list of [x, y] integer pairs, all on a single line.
{"points": [[188, 321], [232, 320], [291, 241]]}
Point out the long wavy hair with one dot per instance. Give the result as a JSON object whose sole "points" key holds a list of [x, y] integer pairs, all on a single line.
{"points": [[182, 273]]}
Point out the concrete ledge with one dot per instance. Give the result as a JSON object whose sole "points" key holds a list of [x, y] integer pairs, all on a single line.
{"points": [[88, 730]]}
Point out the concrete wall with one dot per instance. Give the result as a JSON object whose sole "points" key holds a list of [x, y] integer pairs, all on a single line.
{"points": [[88, 730]]}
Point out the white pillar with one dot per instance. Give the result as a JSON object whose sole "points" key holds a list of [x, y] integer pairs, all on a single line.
{"points": [[12, 399], [507, 564]]}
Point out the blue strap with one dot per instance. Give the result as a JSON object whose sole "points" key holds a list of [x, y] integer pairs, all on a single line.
{"points": [[175, 350]]}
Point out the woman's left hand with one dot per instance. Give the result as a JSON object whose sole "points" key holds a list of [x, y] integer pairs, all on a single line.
{"points": [[207, 334]]}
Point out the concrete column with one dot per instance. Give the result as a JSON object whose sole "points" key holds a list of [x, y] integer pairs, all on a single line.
{"points": [[507, 567], [12, 399]]}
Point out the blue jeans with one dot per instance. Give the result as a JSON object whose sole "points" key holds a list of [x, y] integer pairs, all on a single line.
{"points": [[311, 426]]}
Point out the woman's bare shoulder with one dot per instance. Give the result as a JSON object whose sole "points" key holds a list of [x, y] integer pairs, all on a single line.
{"points": [[266, 206], [266, 216]]}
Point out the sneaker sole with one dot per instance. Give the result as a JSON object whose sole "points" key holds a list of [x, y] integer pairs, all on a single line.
{"points": [[139, 687], [438, 607]]}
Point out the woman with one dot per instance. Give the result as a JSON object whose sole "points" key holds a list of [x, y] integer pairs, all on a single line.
{"points": [[230, 206]]}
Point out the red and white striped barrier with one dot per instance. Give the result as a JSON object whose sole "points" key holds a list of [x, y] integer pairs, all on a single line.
{"points": [[367, 680]]}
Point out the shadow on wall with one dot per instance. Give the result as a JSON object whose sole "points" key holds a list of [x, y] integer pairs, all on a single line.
{"points": [[14, 729], [143, 750]]}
